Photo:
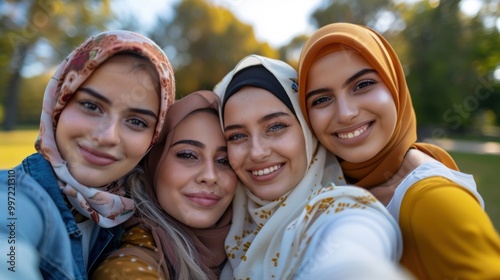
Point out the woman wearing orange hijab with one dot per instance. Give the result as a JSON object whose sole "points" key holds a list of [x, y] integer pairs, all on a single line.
{"points": [[354, 96]]}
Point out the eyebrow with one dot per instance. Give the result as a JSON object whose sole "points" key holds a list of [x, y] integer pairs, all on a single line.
{"points": [[95, 94], [107, 101], [260, 121], [358, 74], [348, 81], [190, 142], [197, 144]]}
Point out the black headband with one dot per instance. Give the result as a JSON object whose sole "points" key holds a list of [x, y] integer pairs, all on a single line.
{"points": [[257, 76]]}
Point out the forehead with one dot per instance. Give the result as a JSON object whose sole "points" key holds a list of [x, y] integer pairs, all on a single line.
{"points": [[252, 99], [117, 74], [335, 68], [197, 125], [340, 60]]}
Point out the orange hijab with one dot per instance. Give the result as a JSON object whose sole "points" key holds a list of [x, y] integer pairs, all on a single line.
{"points": [[379, 53]]}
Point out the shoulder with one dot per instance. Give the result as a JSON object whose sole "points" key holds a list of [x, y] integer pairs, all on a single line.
{"points": [[137, 236], [23, 189], [442, 222], [441, 202], [137, 258]]}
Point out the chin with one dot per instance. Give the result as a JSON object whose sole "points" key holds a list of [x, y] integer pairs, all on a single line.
{"points": [[86, 179]]}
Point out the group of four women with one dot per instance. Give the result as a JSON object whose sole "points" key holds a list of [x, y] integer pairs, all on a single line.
{"points": [[273, 175]]}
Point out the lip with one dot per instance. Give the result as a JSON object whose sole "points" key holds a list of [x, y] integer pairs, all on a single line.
{"points": [[96, 157], [204, 199], [351, 129], [266, 177]]}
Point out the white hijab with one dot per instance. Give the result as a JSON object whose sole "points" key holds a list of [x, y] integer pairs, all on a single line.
{"points": [[268, 239]]}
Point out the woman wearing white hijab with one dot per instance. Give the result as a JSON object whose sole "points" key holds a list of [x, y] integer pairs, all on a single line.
{"points": [[285, 223]]}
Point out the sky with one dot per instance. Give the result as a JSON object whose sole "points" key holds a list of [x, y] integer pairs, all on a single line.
{"points": [[274, 21]]}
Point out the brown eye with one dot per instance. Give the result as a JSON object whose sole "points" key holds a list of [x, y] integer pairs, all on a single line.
{"points": [[363, 84], [185, 155], [89, 106], [320, 100], [137, 122]]}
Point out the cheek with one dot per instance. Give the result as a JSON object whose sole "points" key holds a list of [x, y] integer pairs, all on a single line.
{"points": [[317, 127], [229, 182], [163, 188], [381, 98], [236, 154], [319, 120], [68, 128], [136, 144], [388, 110], [300, 157], [63, 130]]}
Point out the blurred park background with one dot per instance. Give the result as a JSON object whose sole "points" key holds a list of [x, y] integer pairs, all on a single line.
{"points": [[449, 49]]}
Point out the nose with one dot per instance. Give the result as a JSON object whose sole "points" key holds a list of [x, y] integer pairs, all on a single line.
{"points": [[259, 149], [346, 109], [108, 133], [207, 174]]}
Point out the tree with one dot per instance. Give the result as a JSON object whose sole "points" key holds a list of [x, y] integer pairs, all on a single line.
{"points": [[366, 12], [62, 24], [204, 42], [449, 58], [441, 76]]}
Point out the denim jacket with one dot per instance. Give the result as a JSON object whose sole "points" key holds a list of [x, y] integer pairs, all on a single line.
{"points": [[33, 205]]}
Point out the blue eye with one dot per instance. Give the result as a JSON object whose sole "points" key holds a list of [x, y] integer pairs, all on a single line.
{"points": [[277, 127], [235, 136]]}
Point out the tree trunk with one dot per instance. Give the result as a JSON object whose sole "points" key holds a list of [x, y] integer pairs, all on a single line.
{"points": [[13, 87]]}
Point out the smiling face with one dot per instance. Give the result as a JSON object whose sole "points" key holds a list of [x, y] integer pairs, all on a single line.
{"points": [[265, 143], [107, 126], [195, 182], [351, 110]]}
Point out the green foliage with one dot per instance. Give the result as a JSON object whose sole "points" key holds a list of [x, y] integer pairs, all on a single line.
{"points": [[208, 42], [449, 57], [435, 70], [365, 12], [55, 26], [485, 171], [31, 96]]}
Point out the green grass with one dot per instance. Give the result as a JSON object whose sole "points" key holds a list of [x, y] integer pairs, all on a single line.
{"points": [[16, 145], [485, 169]]}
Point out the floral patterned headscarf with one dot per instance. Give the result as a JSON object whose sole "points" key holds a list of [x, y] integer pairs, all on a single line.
{"points": [[107, 206]]}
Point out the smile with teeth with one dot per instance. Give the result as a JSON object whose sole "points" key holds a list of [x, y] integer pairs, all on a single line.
{"points": [[266, 171], [354, 134]]}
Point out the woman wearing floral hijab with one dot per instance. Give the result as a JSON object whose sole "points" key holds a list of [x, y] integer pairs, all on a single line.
{"points": [[286, 223], [103, 110], [354, 95]]}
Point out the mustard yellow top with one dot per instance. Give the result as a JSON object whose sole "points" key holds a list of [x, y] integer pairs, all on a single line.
{"points": [[136, 259], [446, 233]]}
